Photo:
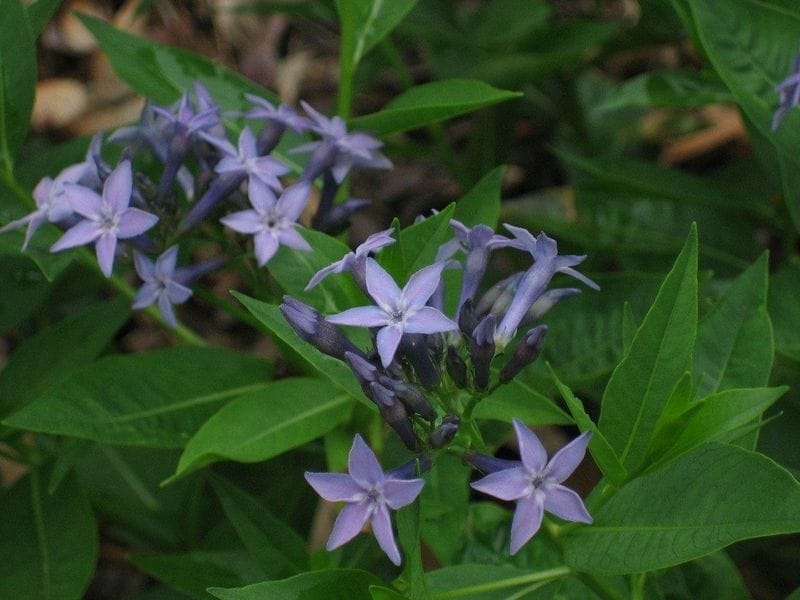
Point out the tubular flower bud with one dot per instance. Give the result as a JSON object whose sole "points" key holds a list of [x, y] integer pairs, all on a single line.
{"points": [[316, 330], [525, 353]]}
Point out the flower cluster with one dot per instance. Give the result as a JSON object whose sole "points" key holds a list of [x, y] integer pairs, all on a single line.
{"points": [[426, 371], [202, 174]]}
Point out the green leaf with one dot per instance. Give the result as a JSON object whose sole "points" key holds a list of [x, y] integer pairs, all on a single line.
{"points": [[69, 344], [432, 102], [602, 452], [696, 505], [327, 584], [707, 578], [660, 353], [154, 399], [192, 572], [408, 533], [504, 23], [671, 89], [293, 270], [265, 423], [734, 341], [25, 291], [336, 371], [784, 308], [366, 22], [444, 507], [40, 13], [48, 543], [384, 593], [517, 400], [481, 205], [488, 582], [752, 46], [17, 79], [278, 548]]}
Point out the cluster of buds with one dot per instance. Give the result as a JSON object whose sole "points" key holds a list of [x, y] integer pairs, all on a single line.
{"points": [[426, 371], [201, 175]]}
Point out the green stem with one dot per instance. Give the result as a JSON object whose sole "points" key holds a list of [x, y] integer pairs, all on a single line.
{"points": [[541, 576], [41, 533], [637, 586]]}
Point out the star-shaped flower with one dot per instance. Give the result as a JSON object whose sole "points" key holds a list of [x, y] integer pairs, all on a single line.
{"points": [[354, 261], [246, 161], [272, 219], [369, 493], [161, 284], [398, 311], [535, 483], [281, 114], [107, 218]]}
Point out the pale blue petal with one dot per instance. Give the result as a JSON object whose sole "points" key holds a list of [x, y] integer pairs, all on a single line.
{"points": [[388, 339], [363, 465], [362, 316], [144, 268], [566, 460], [382, 528], [82, 233], [82, 200], [422, 285], [335, 487], [118, 187], [266, 245], [147, 295], [104, 248], [401, 492], [166, 310], [531, 451], [381, 286], [428, 320], [324, 272], [508, 484], [527, 520], [244, 221], [289, 236], [247, 144], [165, 264], [293, 201], [177, 293], [349, 524], [564, 503], [261, 196], [134, 222]]}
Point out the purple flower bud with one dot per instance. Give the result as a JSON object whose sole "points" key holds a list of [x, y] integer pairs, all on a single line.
{"points": [[395, 415], [315, 329], [481, 350], [456, 367], [527, 351], [410, 396], [489, 464], [789, 94], [445, 433], [414, 349]]}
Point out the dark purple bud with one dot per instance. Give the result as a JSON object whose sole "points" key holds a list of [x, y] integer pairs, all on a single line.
{"points": [[411, 469], [489, 464], [467, 318], [481, 350], [330, 188], [315, 329], [363, 369], [445, 433], [394, 413], [456, 367], [222, 187], [322, 159], [338, 217], [191, 273], [527, 351], [414, 349], [410, 396]]}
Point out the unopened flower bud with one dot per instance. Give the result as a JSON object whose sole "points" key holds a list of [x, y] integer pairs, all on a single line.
{"points": [[394, 413], [481, 350], [315, 329], [410, 469], [410, 396], [547, 301], [489, 464], [456, 367], [525, 353], [415, 350], [467, 318], [445, 433]]}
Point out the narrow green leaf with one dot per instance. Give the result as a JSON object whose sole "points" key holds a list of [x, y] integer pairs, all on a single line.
{"points": [[504, 23], [154, 399], [784, 308], [48, 543], [481, 205], [660, 353], [602, 452], [734, 341], [374, 20], [517, 400], [25, 291], [267, 422], [336, 371], [671, 89], [432, 102], [331, 584], [40, 13], [488, 582], [408, 532], [695, 505], [278, 548], [46, 359]]}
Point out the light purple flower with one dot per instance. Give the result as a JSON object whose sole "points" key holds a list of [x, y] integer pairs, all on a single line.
{"points": [[355, 261], [281, 114], [533, 283], [339, 150], [397, 311], [246, 161], [369, 493], [789, 94], [107, 218], [161, 284], [185, 121], [535, 483], [272, 219]]}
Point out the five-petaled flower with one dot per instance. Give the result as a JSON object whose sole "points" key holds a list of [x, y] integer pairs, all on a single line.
{"points": [[161, 284], [107, 218], [354, 261], [398, 311], [369, 494], [246, 161], [535, 484], [272, 219]]}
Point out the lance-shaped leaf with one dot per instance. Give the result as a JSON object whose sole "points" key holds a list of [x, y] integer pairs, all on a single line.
{"points": [[659, 355], [695, 505], [332, 584]]}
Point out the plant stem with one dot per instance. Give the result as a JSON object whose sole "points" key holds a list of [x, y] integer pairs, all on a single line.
{"points": [[547, 575]]}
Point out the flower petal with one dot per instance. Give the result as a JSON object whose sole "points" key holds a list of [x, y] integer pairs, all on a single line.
{"points": [[428, 320], [79, 234], [177, 293], [289, 236], [82, 200], [105, 248], [349, 524], [362, 316], [165, 307], [527, 520], [247, 144], [134, 222], [566, 460], [401, 492], [381, 286], [382, 528], [118, 187], [565, 503], [324, 272], [508, 484], [422, 285], [387, 341], [363, 465], [147, 295], [144, 267], [261, 196], [266, 245], [335, 487], [293, 201], [531, 451], [244, 221]]}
